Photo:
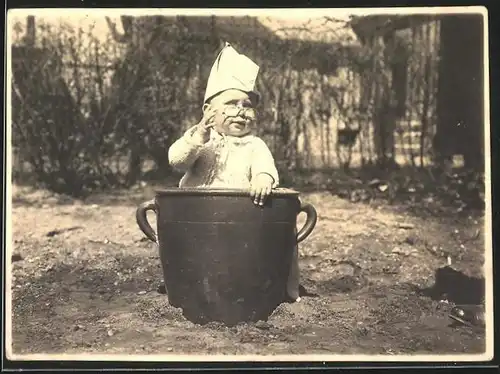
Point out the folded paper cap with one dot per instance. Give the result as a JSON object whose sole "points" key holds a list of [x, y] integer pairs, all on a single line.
{"points": [[231, 70]]}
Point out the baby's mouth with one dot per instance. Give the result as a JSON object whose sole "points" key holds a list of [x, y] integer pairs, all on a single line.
{"points": [[241, 124]]}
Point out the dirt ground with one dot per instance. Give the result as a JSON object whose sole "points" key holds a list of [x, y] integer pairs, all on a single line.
{"points": [[84, 280]]}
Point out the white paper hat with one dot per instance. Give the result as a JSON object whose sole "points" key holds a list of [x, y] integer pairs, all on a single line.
{"points": [[231, 70]]}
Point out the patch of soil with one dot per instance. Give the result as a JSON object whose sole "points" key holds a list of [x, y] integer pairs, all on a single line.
{"points": [[94, 289]]}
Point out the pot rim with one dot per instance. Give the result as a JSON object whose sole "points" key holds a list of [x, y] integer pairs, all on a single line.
{"points": [[208, 191]]}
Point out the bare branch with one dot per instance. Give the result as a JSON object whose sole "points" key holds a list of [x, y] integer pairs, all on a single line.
{"points": [[120, 38]]}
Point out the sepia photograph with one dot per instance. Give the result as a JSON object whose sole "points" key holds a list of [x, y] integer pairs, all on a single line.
{"points": [[248, 184]]}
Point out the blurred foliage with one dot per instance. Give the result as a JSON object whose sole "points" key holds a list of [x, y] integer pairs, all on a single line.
{"points": [[62, 114]]}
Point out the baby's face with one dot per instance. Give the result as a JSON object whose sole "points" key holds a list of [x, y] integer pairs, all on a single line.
{"points": [[235, 113]]}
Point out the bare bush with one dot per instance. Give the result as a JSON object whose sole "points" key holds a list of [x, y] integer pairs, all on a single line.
{"points": [[61, 114]]}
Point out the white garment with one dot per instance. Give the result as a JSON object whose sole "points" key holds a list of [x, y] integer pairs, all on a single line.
{"points": [[222, 162]]}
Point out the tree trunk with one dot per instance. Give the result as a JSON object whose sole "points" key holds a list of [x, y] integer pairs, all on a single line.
{"points": [[460, 96], [384, 120]]}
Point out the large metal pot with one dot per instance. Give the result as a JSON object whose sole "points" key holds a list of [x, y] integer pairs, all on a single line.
{"points": [[224, 258]]}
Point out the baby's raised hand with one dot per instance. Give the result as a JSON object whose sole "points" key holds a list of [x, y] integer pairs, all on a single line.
{"points": [[261, 187], [203, 128]]}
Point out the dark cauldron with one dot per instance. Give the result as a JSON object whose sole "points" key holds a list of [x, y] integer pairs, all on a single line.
{"points": [[223, 258]]}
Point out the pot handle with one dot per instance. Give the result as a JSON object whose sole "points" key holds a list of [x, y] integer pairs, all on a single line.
{"points": [[142, 219], [312, 218]]}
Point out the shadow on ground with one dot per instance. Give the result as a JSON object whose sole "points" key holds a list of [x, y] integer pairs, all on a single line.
{"points": [[454, 286]]}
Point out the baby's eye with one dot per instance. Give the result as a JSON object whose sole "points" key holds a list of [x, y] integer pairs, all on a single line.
{"points": [[231, 110]]}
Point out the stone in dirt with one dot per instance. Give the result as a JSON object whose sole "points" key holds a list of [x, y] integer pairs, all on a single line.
{"points": [[407, 226], [16, 257], [262, 325]]}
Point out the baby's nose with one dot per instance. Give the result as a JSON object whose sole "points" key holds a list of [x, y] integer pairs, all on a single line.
{"points": [[246, 113]]}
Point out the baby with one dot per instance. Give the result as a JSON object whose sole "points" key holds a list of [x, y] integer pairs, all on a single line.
{"points": [[221, 151]]}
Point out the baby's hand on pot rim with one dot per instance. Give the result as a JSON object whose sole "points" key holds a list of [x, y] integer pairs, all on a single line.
{"points": [[261, 187]]}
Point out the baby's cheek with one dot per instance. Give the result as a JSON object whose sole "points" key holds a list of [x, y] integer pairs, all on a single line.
{"points": [[220, 126]]}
